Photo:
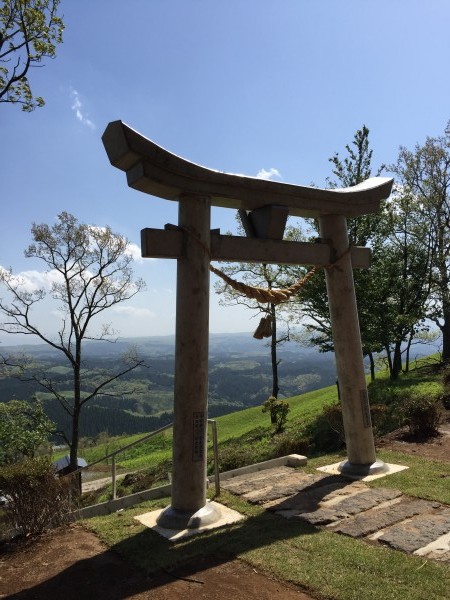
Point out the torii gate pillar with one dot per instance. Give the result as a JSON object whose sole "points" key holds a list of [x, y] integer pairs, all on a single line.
{"points": [[348, 351], [188, 508]]}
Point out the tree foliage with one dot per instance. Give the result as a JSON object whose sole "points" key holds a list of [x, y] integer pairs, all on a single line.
{"points": [[29, 32], [90, 269], [23, 428], [353, 169], [392, 295], [424, 174]]}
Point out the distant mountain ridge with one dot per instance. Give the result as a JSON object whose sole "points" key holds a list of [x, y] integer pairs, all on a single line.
{"points": [[218, 342]]}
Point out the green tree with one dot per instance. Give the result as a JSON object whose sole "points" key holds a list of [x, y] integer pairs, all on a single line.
{"points": [[424, 173], [402, 273], [392, 294], [91, 272], [353, 169], [29, 32], [23, 428]]}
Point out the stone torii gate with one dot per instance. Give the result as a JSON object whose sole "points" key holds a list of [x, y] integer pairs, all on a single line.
{"points": [[265, 206]]}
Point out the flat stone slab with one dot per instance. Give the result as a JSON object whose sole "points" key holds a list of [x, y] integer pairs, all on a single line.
{"points": [[368, 499], [418, 532], [271, 484], [349, 506], [331, 490], [248, 482], [438, 549], [376, 519]]}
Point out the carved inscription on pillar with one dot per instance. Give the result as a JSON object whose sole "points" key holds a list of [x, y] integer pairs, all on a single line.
{"points": [[365, 408], [198, 435]]}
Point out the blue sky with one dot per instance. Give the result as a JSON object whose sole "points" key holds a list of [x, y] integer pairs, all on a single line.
{"points": [[240, 86]]}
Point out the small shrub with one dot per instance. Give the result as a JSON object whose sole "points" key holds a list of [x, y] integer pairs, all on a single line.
{"points": [[445, 398], [386, 393], [446, 376], [235, 456], [333, 415], [144, 480], [381, 419], [278, 410], [37, 500], [422, 415], [326, 431], [290, 442]]}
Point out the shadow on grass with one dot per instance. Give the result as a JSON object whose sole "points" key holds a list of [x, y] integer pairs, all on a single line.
{"points": [[160, 561]]}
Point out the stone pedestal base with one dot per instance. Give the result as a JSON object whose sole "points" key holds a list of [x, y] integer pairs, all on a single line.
{"points": [[354, 470], [176, 519]]}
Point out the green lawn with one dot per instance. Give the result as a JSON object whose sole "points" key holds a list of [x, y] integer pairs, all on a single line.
{"points": [[325, 564]]}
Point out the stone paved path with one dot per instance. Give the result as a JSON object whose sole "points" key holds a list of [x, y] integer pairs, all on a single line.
{"points": [[384, 515]]}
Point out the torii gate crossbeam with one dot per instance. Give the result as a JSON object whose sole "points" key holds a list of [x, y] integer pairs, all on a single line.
{"points": [[155, 171]]}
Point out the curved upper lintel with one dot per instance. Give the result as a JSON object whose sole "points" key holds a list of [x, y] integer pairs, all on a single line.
{"points": [[154, 170]]}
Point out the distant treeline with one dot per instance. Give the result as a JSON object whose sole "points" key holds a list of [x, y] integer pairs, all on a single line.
{"points": [[96, 419]]}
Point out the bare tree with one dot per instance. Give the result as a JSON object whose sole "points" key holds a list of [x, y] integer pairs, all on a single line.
{"points": [[29, 32], [269, 277], [91, 272]]}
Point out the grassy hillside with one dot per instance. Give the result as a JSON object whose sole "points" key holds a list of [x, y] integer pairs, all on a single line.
{"points": [[246, 436], [303, 410]]}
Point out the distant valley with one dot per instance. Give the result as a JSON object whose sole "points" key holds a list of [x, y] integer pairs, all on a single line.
{"points": [[239, 377]]}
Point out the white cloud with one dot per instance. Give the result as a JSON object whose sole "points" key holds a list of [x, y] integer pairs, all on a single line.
{"points": [[77, 107], [132, 249], [30, 281], [268, 174], [132, 311], [135, 251]]}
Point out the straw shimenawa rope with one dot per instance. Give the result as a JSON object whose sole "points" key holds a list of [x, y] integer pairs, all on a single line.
{"points": [[270, 296], [264, 295]]}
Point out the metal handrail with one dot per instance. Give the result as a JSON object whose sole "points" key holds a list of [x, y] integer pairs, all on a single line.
{"points": [[112, 455]]}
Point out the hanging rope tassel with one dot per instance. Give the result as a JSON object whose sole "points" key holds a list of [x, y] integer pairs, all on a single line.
{"points": [[264, 329]]}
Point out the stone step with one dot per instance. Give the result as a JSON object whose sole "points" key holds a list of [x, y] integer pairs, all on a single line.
{"points": [[417, 532], [349, 506], [271, 484], [376, 519], [331, 491], [242, 484]]}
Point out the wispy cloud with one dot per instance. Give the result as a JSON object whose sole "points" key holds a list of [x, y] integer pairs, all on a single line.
{"points": [[132, 249], [133, 311], [77, 107], [268, 174]]}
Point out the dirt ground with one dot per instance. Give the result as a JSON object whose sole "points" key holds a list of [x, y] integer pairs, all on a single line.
{"points": [[437, 448], [72, 563]]}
